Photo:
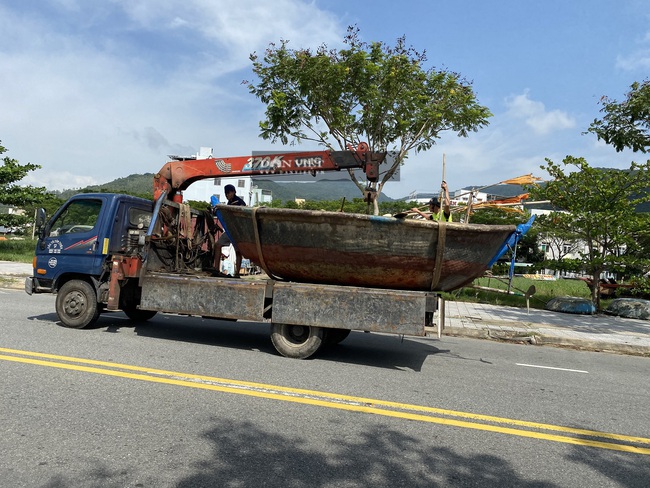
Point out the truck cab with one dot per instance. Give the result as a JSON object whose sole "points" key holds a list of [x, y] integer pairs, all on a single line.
{"points": [[76, 246]]}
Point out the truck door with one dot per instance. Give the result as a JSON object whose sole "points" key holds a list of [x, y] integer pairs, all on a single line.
{"points": [[72, 240]]}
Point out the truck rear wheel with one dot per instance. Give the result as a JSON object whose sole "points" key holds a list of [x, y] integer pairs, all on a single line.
{"points": [[334, 336], [296, 341], [139, 315], [76, 304]]}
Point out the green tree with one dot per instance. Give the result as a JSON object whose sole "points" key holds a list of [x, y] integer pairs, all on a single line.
{"points": [[598, 208], [355, 205], [370, 93], [626, 124], [16, 195]]}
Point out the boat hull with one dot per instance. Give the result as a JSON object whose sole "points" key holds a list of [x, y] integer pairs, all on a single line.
{"points": [[360, 250]]}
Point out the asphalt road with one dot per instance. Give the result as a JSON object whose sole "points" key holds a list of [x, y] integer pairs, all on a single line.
{"points": [[188, 402]]}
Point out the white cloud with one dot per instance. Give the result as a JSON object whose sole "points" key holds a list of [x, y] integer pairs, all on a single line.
{"points": [[54, 180], [503, 150], [536, 116], [93, 91], [102, 93], [637, 61], [236, 29]]}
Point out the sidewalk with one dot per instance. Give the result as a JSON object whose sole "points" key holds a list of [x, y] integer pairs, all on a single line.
{"points": [[543, 327], [12, 269], [540, 327]]}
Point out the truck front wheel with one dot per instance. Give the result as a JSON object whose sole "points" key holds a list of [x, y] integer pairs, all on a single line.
{"points": [[296, 341], [76, 304]]}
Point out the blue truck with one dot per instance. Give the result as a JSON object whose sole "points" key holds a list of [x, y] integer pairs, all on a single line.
{"points": [[108, 252]]}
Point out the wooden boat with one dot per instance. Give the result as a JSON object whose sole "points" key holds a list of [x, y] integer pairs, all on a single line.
{"points": [[361, 250]]}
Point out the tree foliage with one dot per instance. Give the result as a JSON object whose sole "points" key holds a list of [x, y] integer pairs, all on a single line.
{"points": [[367, 92], [626, 124], [598, 208], [13, 194], [355, 205]]}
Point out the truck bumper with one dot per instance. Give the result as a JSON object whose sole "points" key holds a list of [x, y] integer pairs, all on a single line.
{"points": [[34, 285], [29, 285]]}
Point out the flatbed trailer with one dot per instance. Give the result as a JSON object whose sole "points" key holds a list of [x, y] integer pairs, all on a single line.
{"points": [[303, 316]]}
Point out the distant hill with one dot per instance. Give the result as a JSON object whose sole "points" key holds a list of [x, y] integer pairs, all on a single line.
{"points": [[314, 191], [142, 185], [135, 184]]}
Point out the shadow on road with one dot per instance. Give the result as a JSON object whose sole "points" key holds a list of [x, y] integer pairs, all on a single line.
{"points": [[243, 455], [376, 350], [238, 453]]}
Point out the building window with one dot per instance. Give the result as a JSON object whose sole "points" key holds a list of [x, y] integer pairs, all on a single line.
{"points": [[566, 248], [217, 182], [241, 183], [544, 247]]}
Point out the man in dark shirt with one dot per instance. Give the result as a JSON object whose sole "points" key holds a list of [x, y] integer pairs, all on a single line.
{"points": [[224, 240]]}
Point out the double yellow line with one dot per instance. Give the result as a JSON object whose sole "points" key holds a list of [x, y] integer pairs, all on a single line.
{"points": [[522, 428]]}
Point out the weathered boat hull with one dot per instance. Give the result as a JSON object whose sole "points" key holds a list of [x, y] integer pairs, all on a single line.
{"points": [[360, 250]]}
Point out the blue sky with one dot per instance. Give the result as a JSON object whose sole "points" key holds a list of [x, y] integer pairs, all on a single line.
{"points": [[94, 91]]}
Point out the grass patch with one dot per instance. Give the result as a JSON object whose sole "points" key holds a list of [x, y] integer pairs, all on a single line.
{"points": [[18, 250], [545, 290], [6, 282]]}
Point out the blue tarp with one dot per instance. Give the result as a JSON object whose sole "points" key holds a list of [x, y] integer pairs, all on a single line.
{"points": [[512, 241]]}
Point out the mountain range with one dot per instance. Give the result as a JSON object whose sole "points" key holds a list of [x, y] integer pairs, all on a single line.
{"points": [[142, 185]]}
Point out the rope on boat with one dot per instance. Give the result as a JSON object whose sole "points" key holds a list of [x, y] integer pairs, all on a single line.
{"points": [[440, 250], [258, 244]]}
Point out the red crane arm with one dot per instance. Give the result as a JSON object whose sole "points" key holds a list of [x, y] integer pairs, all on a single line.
{"points": [[176, 176]]}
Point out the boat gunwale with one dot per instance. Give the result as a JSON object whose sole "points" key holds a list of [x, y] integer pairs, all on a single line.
{"points": [[324, 214]]}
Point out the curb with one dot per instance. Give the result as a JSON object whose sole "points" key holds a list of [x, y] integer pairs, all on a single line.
{"points": [[17, 282], [537, 339], [12, 282]]}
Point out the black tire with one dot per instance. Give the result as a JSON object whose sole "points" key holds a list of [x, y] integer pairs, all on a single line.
{"points": [[335, 336], [296, 341], [76, 304], [139, 315]]}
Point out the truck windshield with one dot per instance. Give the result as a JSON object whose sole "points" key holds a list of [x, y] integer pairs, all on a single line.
{"points": [[78, 216]]}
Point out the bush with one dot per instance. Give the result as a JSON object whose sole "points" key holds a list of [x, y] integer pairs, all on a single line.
{"points": [[640, 287], [20, 250]]}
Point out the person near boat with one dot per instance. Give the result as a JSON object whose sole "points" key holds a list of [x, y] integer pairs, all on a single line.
{"points": [[436, 211], [224, 240]]}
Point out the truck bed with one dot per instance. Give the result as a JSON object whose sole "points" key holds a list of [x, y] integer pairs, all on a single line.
{"points": [[330, 306]]}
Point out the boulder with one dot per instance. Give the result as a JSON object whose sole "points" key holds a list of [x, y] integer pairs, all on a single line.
{"points": [[631, 308], [577, 305]]}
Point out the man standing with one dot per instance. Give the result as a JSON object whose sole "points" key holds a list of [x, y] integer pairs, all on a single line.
{"points": [[224, 240], [434, 207]]}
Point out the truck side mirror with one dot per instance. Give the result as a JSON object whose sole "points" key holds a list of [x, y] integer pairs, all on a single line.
{"points": [[40, 218], [40, 222]]}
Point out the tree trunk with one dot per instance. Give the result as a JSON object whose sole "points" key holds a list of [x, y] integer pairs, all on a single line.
{"points": [[595, 288]]}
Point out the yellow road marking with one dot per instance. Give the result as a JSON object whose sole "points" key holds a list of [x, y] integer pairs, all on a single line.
{"points": [[333, 400]]}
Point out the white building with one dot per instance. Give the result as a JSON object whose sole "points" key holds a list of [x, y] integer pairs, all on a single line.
{"points": [[457, 197]]}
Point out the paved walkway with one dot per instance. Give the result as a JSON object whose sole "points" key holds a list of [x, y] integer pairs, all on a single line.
{"points": [[590, 332]]}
